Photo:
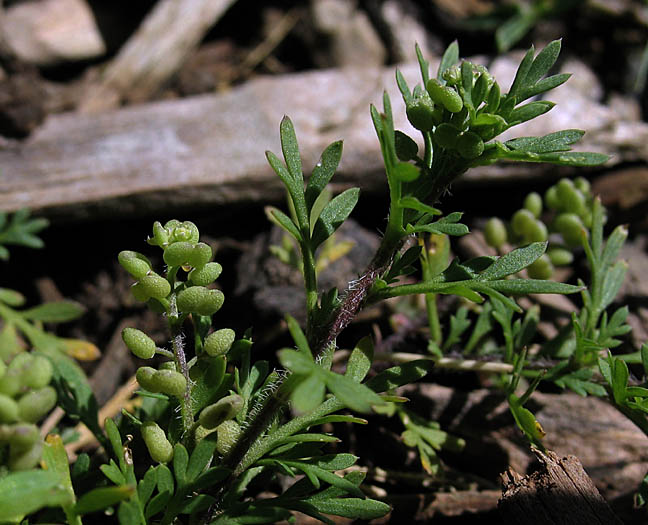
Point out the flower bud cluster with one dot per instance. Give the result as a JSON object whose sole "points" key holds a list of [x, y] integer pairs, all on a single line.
{"points": [[570, 216], [25, 398], [440, 108]]}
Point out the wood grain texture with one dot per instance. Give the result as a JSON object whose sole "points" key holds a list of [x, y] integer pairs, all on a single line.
{"points": [[208, 150]]}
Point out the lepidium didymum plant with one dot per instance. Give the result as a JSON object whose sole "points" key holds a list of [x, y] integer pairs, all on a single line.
{"points": [[217, 426]]}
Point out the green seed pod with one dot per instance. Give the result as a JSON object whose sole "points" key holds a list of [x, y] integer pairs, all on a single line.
{"points": [[495, 232], [23, 434], [139, 293], [169, 382], [583, 185], [224, 409], [178, 253], [35, 404], [446, 135], [155, 286], [156, 442], [139, 343], [171, 225], [20, 363], [190, 299], [406, 148], [228, 433], [134, 263], [205, 275], [25, 458], [444, 95], [551, 198], [541, 268], [420, 112], [167, 365], [571, 228], [533, 203], [470, 145], [11, 384], [200, 255], [536, 232], [560, 256], [212, 303], [144, 376], [201, 432], [452, 75], [219, 342], [160, 235], [571, 199], [9, 411], [522, 221], [39, 374]]}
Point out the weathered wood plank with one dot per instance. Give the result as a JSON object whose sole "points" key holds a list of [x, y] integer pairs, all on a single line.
{"points": [[208, 150]]}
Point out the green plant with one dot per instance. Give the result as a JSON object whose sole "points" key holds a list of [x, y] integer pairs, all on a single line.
{"points": [[212, 422]]}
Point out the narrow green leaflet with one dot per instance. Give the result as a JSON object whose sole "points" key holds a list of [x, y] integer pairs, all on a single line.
{"points": [[308, 394], [55, 312], [529, 111], [298, 336], [333, 215], [322, 173], [558, 141], [400, 375], [449, 59], [513, 262], [354, 508], [290, 149], [24, 492], [103, 497], [56, 460], [283, 221], [360, 359]]}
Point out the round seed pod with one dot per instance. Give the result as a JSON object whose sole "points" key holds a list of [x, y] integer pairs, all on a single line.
{"points": [[446, 135], [205, 275], [212, 303], [139, 293], [144, 376], [169, 382], [190, 299], [201, 432], [139, 343], [20, 363], [444, 95], [200, 255], [406, 148], [23, 435], [583, 185], [156, 442], [155, 286], [541, 268], [39, 374], [560, 256], [521, 221], [470, 145], [134, 263], [167, 365], [11, 384], [228, 433], [533, 203], [571, 228], [35, 404], [495, 232], [224, 409], [219, 342], [551, 198], [535, 232], [178, 253], [25, 458], [420, 112], [571, 199], [9, 411]]}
